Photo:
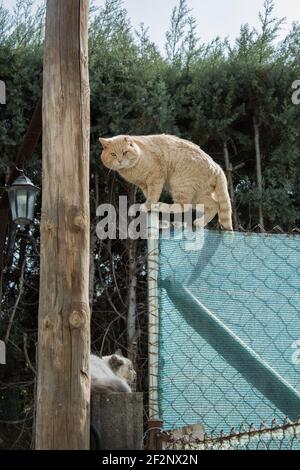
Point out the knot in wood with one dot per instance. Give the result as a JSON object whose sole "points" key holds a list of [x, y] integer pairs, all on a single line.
{"points": [[78, 219], [76, 319], [48, 226], [79, 222], [47, 323]]}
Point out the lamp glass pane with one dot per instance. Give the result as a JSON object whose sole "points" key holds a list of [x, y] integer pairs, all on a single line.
{"points": [[12, 202], [31, 203], [22, 203]]}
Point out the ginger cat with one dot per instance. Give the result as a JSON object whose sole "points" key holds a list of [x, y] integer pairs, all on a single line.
{"points": [[157, 161]]}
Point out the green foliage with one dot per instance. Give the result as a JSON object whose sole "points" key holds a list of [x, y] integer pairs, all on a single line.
{"points": [[176, 37], [208, 93]]}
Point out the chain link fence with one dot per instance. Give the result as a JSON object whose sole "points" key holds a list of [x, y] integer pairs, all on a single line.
{"points": [[225, 334], [277, 436]]}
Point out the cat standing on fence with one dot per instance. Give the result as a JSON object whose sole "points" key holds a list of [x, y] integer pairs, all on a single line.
{"points": [[162, 161]]}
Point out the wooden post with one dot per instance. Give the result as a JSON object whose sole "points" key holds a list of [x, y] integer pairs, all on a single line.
{"points": [[118, 418], [63, 384]]}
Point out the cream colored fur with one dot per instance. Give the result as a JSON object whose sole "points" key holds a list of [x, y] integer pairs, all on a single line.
{"points": [[112, 373], [162, 161]]}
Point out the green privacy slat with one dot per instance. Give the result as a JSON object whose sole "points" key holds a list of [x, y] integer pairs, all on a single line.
{"points": [[257, 372]]}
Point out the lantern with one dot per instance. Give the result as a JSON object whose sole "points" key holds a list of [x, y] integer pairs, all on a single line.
{"points": [[22, 196]]}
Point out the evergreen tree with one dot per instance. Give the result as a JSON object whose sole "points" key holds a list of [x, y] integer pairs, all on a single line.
{"points": [[176, 36]]}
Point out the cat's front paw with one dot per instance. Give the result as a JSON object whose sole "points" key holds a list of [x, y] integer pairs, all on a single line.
{"points": [[156, 207], [145, 207], [148, 206]]}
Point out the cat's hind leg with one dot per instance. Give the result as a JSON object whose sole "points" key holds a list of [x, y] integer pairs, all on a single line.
{"points": [[183, 196], [211, 208]]}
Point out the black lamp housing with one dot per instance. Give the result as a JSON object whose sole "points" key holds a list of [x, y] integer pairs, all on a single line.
{"points": [[22, 196]]}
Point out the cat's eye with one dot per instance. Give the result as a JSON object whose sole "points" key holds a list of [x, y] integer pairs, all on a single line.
{"points": [[113, 155], [125, 153]]}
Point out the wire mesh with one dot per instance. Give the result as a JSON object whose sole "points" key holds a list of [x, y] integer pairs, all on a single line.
{"points": [[229, 330], [277, 436]]}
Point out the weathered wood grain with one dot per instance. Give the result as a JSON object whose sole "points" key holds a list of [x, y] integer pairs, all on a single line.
{"points": [[63, 388], [118, 418]]}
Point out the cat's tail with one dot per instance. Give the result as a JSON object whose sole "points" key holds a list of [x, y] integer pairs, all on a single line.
{"points": [[223, 198], [111, 384]]}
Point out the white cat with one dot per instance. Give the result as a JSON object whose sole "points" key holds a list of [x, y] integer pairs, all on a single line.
{"points": [[112, 373]]}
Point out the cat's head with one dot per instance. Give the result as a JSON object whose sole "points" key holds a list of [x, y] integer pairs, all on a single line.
{"points": [[122, 367], [119, 152]]}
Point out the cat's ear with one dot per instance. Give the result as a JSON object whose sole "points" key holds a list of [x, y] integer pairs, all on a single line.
{"points": [[119, 353], [115, 362], [104, 142], [129, 141]]}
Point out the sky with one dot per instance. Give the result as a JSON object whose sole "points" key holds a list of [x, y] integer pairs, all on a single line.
{"points": [[215, 17]]}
